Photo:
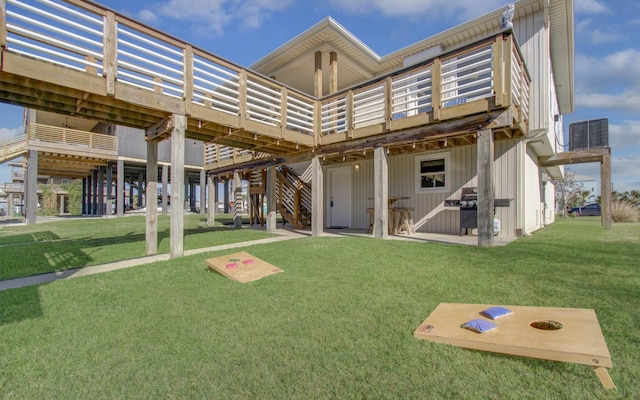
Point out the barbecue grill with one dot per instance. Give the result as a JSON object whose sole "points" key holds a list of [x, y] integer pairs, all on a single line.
{"points": [[468, 204]]}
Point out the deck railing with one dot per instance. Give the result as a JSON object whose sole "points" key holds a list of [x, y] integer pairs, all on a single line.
{"points": [[71, 139], [85, 37], [216, 155], [13, 147]]}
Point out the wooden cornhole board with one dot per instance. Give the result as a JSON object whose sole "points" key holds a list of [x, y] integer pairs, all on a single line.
{"points": [[580, 339], [242, 267]]}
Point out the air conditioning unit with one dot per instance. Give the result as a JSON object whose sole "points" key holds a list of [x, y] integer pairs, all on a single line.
{"points": [[591, 134]]}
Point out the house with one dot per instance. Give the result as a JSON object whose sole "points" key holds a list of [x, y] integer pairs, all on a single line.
{"points": [[466, 115]]}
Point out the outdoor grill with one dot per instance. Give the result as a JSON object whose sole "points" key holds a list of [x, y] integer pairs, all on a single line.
{"points": [[468, 204]]}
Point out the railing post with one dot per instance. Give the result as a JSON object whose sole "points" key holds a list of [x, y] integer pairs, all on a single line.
{"points": [[242, 97], [187, 78], [284, 95], [498, 69], [388, 100], [436, 88], [508, 78], [349, 114], [110, 52], [3, 25]]}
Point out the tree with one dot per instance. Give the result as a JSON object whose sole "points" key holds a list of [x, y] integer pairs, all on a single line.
{"points": [[568, 192]]}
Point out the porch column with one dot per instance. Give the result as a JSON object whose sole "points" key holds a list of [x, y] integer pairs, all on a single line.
{"points": [[84, 195], [203, 192], [226, 197], [380, 193], [177, 182], [94, 194], [140, 187], [152, 198], [120, 188], [333, 72], [605, 191], [101, 191], [31, 187], [211, 201], [317, 197], [165, 189], [271, 199], [318, 75], [486, 191], [237, 200], [109, 189]]}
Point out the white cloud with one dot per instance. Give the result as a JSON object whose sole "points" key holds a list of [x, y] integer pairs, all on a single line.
{"points": [[8, 133], [590, 7], [599, 37], [629, 101], [624, 135], [148, 16], [461, 9], [612, 80]]}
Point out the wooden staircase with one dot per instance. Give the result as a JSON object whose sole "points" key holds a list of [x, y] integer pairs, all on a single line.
{"points": [[257, 190], [293, 198]]}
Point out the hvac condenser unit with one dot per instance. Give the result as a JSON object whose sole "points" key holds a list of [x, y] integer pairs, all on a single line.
{"points": [[591, 134]]}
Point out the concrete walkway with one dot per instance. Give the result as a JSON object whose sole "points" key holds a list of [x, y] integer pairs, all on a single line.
{"points": [[284, 234]]}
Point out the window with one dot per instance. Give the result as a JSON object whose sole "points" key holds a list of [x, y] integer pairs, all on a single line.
{"points": [[64, 181], [432, 173]]}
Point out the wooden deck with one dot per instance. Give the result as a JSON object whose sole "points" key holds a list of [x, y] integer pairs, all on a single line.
{"points": [[87, 61]]}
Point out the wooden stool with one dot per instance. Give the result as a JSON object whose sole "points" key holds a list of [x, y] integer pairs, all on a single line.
{"points": [[371, 216]]}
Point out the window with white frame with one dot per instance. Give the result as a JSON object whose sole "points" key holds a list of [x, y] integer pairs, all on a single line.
{"points": [[432, 173]]}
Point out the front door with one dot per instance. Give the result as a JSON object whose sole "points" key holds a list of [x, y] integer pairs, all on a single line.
{"points": [[339, 197]]}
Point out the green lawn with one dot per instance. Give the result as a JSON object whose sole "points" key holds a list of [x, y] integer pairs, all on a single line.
{"points": [[61, 245], [337, 323]]}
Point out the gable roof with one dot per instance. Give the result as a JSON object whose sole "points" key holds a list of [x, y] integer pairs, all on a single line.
{"points": [[293, 63]]}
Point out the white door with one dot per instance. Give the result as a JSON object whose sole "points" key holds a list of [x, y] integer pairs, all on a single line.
{"points": [[340, 197]]}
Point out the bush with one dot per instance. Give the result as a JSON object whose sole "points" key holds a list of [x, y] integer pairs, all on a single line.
{"points": [[623, 211]]}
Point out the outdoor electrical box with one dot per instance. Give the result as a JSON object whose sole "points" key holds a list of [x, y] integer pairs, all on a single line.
{"points": [[591, 134]]}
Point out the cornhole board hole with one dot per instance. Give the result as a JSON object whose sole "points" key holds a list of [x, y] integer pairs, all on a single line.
{"points": [[242, 267], [578, 340]]}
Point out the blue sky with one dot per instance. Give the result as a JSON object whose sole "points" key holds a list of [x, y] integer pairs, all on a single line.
{"points": [[607, 76]]}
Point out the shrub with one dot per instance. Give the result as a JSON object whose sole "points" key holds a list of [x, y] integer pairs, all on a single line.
{"points": [[623, 211]]}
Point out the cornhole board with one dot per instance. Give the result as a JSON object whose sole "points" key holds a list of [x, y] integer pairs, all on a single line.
{"points": [[242, 267], [580, 339]]}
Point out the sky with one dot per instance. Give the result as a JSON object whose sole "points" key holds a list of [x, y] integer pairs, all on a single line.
{"points": [[607, 50]]}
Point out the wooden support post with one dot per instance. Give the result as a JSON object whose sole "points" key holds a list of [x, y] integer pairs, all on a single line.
{"points": [[388, 103], [140, 188], [3, 26], [317, 197], [498, 69], [380, 193], [507, 88], [203, 192], [333, 72], [271, 199], [436, 88], [61, 204], [84, 196], [177, 182], [485, 188], [237, 200], [605, 191], [109, 189], [94, 193], [317, 88], [211, 201], [152, 198], [242, 97], [89, 194], [31, 188], [165, 189], [101, 191], [110, 56], [187, 60], [120, 189], [226, 197]]}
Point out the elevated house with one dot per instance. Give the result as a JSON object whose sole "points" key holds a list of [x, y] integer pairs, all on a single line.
{"points": [[447, 133]]}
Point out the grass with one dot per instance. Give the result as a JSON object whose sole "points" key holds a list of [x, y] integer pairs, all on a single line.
{"points": [[57, 246], [337, 323]]}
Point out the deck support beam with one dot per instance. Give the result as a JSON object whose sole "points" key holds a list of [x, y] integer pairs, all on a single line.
{"points": [[317, 197], [177, 183], [31, 188], [486, 191], [271, 199], [120, 189], [152, 198], [237, 199], [381, 193]]}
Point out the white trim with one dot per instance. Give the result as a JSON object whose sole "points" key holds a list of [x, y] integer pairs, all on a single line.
{"points": [[446, 156]]}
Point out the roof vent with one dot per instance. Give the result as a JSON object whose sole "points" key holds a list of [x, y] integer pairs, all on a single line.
{"points": [[591, 134]]}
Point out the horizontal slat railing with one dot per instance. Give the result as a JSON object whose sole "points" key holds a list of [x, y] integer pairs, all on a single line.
{"points": [[13, 147], [83, 36], [216, 155], [62, 138]]}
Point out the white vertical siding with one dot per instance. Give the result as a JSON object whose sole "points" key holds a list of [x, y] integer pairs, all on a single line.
{"points": [[430, 214], [534, 200]]}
